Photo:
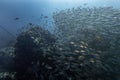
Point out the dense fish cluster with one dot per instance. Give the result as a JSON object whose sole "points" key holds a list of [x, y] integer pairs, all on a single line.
{"points": [[90, 37], [84, 46], [70, 20]]}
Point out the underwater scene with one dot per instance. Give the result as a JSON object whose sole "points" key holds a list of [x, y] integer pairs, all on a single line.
{"points": [[60, 40]]}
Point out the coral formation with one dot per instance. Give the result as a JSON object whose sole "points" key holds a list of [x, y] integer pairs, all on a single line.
{"points": [[32, 50]]}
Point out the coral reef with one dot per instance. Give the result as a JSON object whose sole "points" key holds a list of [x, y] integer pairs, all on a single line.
{"points": [[32, 49], [6, 62]]}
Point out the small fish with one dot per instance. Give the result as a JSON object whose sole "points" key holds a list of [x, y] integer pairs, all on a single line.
{"points": [[75, 45], [30, 24], [92, 60], [45, 16], [72, 43], [82, 51], [81, 57], [85, 4], [60, 49], [17, 18], [81, 46], [76, 51]]}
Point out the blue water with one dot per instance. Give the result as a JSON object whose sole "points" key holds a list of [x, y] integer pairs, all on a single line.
{"points": [[34, 11]]}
